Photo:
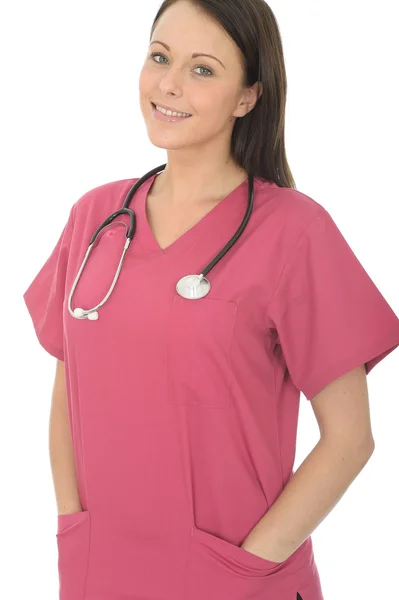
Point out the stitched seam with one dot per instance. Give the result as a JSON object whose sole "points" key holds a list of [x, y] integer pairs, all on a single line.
{"points": [[318, 215], [231, 371], [277, 424], [88, 559]]}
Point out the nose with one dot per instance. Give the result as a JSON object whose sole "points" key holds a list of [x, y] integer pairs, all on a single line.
{"points": [[171, 83]]}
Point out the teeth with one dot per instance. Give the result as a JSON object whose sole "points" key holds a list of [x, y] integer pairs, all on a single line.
{"points": [[169, 113]]}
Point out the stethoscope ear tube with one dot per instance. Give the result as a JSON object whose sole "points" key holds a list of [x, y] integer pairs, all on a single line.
{"points": [[92, 313]]}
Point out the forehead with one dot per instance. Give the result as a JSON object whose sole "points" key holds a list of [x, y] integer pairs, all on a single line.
{"points": [[186, 29]]}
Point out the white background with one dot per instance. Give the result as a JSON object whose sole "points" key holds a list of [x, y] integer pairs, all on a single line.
{"points": [[71, 120]]}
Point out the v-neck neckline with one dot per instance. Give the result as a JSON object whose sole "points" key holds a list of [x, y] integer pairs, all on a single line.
{"points": [[229, 205]]}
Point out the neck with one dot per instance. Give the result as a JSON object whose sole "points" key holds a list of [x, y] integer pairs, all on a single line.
{"points": [[197, 183]]}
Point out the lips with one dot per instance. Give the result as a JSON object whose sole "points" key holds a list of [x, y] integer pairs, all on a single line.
{"points": [[171, 109]]}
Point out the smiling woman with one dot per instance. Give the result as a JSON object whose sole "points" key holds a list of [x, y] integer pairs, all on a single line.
{"points": [[182, 410], [219, 92]]}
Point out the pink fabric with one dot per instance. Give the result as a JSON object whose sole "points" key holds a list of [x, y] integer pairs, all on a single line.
{"points": [[184, 413]]}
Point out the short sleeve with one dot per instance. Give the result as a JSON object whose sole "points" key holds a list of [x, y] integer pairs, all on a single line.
{"points": [[44, 297], [328, 314]]}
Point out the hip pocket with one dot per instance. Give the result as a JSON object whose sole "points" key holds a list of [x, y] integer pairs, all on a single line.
{"points": [[219, 569], [73, 536], [198, 346]]}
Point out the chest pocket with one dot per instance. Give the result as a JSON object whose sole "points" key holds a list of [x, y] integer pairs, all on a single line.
{"points": [[198, 345]]}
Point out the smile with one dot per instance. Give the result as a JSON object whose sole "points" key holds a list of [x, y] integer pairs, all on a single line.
{"points": [[167, 115]]}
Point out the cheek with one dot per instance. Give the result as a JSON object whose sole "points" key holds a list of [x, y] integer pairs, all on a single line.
{"points": [[214, 115], [143, 81], [214, 102], [147, 82]]}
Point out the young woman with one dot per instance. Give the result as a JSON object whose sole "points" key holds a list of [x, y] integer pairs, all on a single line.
{"points": [[176, 401]]}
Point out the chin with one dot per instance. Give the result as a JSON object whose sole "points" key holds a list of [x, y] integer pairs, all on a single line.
{"points": [[166, 144]]}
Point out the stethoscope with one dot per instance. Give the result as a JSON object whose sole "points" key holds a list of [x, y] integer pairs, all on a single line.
{"points": [[192, 287]]}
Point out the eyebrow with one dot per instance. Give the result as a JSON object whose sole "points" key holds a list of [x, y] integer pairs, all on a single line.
{"points": [[195, 54]]}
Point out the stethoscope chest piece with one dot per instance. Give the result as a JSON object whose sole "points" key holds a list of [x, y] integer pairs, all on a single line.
{"points": [[193, 287]]}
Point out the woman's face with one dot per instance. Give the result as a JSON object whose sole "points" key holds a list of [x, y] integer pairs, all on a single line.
{"points": [[210, 91]]}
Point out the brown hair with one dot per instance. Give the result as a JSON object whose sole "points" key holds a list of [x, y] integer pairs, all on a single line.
{"points": [[257, 142]]}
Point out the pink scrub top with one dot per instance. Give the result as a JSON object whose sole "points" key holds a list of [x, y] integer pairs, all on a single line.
{"points": [[184, 413]]}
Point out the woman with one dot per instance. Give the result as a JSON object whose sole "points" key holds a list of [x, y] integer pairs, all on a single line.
{"points": [[183, 413]]}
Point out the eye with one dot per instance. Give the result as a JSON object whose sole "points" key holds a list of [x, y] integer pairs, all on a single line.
{"points": [[153, 54], [156, 54], [206, 69]]}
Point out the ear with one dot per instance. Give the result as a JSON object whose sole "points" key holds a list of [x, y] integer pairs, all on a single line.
{"points": [[249, 99]]}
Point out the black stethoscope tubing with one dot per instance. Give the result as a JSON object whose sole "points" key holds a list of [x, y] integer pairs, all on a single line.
{"points": [[132, 228], [192, 287]]}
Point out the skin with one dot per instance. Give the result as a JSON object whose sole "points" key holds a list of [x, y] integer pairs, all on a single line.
{"points": [[200, 166], [62, 458], [346, 444]]}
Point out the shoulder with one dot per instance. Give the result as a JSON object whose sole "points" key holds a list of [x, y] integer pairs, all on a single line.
{"points": [[290, 204], [285, 215], [106, 196]]}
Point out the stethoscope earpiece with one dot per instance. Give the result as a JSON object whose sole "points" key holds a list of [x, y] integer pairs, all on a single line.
{"points": [[80, 313], [191, 287]]}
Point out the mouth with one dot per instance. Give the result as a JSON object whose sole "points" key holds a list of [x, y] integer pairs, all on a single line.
{"points": [[155, 110]]}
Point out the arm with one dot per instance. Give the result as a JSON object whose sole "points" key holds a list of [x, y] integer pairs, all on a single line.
{"points": [[344, 448], [61, 451]]}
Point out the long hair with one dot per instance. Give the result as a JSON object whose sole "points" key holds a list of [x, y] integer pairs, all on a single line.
{"points": [[257, 142]]}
